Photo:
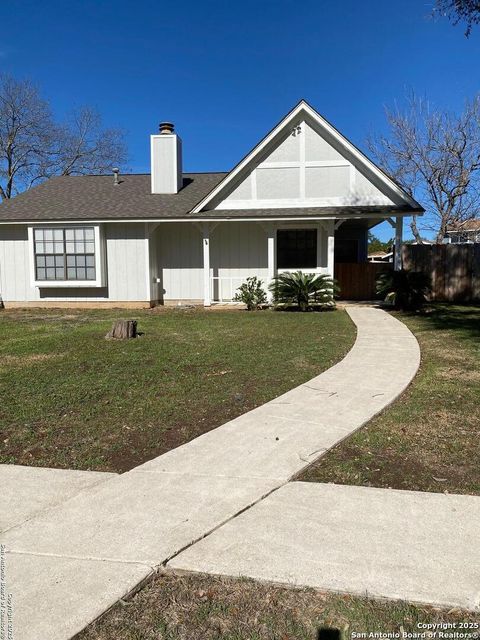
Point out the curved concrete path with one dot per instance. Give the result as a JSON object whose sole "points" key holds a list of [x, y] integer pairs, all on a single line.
{"points": [[283, 436], [110, 536]]}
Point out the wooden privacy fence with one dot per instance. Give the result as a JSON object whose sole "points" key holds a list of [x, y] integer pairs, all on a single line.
{"points": [[454, 269], [357, 279]]}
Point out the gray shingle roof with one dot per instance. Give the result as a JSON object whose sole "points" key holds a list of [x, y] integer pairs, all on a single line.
{"points": [[96, 198]]}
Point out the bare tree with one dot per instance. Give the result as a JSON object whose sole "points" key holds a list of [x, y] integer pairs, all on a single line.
{"points": [[85, 147], [33, 147], [467, 11], [436, 156], [27, 132]]}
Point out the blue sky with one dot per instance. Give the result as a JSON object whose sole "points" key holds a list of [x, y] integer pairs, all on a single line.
{"points": [[226, 72]]}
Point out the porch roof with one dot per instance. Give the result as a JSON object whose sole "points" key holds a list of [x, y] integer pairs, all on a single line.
{"points": [[344, 211]]}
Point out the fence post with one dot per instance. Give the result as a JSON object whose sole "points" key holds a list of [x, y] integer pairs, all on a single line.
{"points": [[397, 265]]}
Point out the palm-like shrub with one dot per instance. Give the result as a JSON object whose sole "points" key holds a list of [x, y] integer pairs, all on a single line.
{"points": [[304, 290], [406, 290], [251, 293]]}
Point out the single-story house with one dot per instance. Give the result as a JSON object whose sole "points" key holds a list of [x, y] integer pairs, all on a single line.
{"points": [[303, 198], [380, 256], [466, 232]]}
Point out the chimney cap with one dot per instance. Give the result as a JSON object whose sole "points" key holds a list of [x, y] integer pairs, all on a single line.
{"points": [[115, 171], [166, 127]]}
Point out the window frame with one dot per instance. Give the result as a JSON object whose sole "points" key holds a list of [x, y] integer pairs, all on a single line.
{"points": [[299, 267], [98, 241]]}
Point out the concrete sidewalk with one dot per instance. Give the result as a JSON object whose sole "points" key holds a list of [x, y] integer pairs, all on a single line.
{"points": [[114, 534], [27, 491], [421, 547]]}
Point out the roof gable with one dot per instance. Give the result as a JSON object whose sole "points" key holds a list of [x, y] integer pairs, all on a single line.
{"points": [[305, 162]]}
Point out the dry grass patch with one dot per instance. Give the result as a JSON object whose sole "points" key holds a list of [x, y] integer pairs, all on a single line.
{"points": [[211, 608], [26, 360]]}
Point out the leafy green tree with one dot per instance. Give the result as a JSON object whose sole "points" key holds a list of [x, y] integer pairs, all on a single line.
{"points": [[375, 244]]}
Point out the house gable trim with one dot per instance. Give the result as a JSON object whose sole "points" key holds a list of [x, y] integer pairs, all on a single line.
{"points": [[303, 108]]}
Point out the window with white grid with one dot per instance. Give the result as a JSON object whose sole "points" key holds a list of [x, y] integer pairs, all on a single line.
{"points": [[64, 254]]}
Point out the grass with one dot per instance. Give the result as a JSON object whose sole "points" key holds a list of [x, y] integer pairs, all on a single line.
{"points": [[198, 607], [71, 399], [429, 439]]}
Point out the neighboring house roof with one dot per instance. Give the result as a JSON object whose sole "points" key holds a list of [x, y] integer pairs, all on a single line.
{"points": [[467, 225], [96, 197], [378, 254]]}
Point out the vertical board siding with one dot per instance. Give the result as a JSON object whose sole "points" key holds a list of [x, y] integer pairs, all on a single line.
{"points": [[237, 250], [14, 264], [454, 269], [126, 261], [126, 268], [155, 294], [180, 261]]}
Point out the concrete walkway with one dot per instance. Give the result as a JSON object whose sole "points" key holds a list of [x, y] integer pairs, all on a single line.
{"points": [[421, 547], [69, 562], [283, 436], [26, 491]]}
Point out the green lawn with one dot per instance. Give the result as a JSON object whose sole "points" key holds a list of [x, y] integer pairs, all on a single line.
{"points": [[70, 398], [198, 607], [429, 439]]}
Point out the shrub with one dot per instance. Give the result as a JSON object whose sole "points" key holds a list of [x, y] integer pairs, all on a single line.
{"points": [[303, 290], [405, 289], [251, 293]]}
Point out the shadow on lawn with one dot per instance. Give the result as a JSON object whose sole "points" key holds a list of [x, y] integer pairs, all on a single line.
{"points": [[463, 320]]}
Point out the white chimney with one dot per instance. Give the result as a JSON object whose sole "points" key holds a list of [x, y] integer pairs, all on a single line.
{"points": [[166, 157]]}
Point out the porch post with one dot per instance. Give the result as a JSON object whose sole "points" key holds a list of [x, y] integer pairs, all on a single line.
{"points": [[271, 249], [330, 247], [206, 265], [397, 265]]}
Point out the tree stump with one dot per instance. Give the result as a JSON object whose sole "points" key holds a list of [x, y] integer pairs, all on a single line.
{"points": [[123, 330]]}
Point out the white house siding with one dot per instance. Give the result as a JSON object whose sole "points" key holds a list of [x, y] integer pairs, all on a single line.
{"points": [[154, 273], [14, 264], [127, 261], [180, 261], [238, 250], [304, 169], [127, 276]]}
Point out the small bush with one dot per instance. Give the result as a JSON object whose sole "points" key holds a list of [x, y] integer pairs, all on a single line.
{"points": [[406, 290], [304, 290], [251, 293]]}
